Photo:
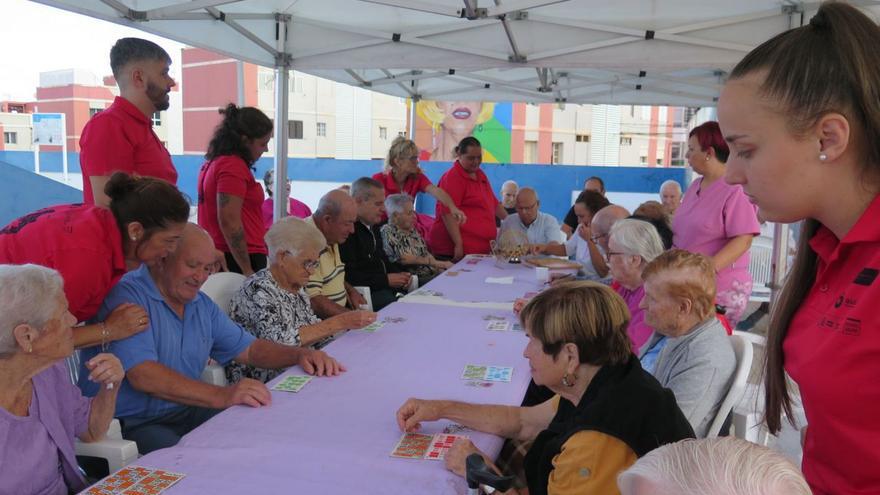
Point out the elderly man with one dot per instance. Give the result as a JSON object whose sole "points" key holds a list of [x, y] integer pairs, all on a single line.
{"points": [[366, 263], [697, 362], [328, 291], [162, 397], [120, 138], [670, 196], [539, 227], [508, 195]]}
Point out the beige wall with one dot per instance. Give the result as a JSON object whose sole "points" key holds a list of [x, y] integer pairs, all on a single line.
{"points": [[22, 126]]}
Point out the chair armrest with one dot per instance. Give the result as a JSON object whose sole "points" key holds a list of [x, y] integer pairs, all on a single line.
{"points": [[118, 453]]}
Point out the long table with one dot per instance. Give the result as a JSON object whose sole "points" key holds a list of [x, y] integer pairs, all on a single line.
{"points": [[336, 434]]}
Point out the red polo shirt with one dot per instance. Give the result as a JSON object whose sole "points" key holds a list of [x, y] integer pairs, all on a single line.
{"points": [[413, 185], [230, 175], [473, 196], [121, 139], [832, 351], [82, 242]]}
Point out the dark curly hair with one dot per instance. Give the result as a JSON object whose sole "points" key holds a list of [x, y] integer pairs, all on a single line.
{"points": [[239, 125], [153, 203]]}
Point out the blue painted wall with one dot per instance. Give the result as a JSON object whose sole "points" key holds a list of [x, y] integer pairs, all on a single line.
{"points": [[554, 183], [22, 192]]}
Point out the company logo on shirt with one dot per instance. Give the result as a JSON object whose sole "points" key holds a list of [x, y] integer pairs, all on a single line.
{"points": [[866, 277]]}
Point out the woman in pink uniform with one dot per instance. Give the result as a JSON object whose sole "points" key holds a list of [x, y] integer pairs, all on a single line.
{"points": [[802, 116], [717, 219]]}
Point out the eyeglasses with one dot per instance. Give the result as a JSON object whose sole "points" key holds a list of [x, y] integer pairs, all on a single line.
{"points": [[609, 254], [413, 158], [308, 265]]}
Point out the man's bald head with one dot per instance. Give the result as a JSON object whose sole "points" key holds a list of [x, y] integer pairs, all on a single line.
{"points": [[335, 216], [603, 220], [194, 239], [527, 205], [183, 273]]}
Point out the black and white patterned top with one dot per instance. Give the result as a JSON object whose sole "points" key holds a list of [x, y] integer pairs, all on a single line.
{"points": [[268, 311], [397, 242]]}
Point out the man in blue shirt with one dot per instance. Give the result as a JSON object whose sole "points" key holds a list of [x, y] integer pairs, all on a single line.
{"points": [[539, 227], [162, 397]]}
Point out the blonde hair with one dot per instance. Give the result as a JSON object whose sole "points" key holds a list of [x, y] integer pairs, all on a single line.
{"points": [[724, 465], [431, 113], [590, 315], [294, 235], [400, 147], [695, 280]]}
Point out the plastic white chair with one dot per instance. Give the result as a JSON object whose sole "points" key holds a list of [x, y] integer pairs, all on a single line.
{"points": [[742, 348], [113, 448], [220, 287], [365, 291]]}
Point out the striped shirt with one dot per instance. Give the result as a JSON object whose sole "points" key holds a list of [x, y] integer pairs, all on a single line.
{"points": [[329, 279]]}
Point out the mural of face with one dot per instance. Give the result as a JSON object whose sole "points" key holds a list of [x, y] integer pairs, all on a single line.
{"points": [[461, 116]]}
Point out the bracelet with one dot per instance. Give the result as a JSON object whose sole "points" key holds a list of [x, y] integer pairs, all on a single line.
{"points": [[105, 336]]}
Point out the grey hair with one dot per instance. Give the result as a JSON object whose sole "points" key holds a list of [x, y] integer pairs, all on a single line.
{"points": [[637, 237], [327, 206], [395, 203], [724, 465], [671, 182], [26, 294], [364, 187], [294, 235], [509, 182]]}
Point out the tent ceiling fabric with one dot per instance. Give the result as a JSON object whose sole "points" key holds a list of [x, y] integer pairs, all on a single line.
{"points": [[667, 52]]}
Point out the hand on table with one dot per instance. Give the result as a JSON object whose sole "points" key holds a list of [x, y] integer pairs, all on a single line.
{"points": [[105, 369], [456, 457], [126, 320], [519, 304], [443, 265], [458, 253], [248, 392], [538, 249], [353, 319], [399, 280], [356, 299], [414, 411], [319, 363]]}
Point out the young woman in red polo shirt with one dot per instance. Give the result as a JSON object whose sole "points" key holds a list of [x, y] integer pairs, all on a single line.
{"points": [[230, 199], [802, 116], [92, 247]]}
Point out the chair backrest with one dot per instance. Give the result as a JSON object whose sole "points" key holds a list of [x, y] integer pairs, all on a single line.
{"points": [[220, 287], [760, 264], [742, 348]]}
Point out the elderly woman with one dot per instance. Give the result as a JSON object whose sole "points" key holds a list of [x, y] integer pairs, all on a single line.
{"points": [[403, 175], [714, 465], [41, 411], [582, 244], [272, 305], [697, 363], [403, 244], [608, 411], [632, 244]]}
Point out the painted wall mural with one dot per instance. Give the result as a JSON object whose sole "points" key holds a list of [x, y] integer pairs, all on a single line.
{"points": [[442, 124]]}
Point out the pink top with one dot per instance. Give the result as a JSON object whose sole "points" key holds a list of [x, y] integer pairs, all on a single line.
{"points": [[296, 209], [638, 331], [705, 222]]}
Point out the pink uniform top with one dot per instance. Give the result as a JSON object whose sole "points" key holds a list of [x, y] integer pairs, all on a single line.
{"points": [[121, 139], [638, 331], [82, 242], [705, 222], [832, 351], [295, 208]]}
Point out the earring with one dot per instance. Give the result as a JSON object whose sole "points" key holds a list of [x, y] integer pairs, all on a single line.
{"points": [[822, 157], [134, 238], [566, 382], [30, 349]]}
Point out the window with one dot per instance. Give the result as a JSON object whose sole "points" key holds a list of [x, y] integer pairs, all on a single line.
{"points": [[626, 141], [643, 160], [94, 111], [383, 133], [294, 129], [157, 119], [557, 153], [267, 81], [582, 138], [401, 134], [16, 108], [10, 137], [659, 161], [322, 129], [530, 152]]}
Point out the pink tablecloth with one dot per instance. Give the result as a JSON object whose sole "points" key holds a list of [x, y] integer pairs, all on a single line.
{"points": [[335, 436]]}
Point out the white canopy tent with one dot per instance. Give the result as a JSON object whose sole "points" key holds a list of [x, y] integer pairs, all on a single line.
{"points": [[657, 52]]}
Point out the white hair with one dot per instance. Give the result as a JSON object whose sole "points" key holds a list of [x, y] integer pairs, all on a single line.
{"points": [[509, 183], [395, 203], [637, 237], [293, 235], [718, 466], [27, 296], [670, 183]]}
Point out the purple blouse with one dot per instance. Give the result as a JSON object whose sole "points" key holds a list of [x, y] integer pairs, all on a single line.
{"points": [[36, 451]]}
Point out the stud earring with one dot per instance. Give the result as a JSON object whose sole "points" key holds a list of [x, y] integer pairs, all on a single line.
{"points": [[822, 157], [567, 382]]}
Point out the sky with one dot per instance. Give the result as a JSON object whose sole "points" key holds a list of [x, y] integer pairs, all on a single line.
{"points": [[36, 38]]}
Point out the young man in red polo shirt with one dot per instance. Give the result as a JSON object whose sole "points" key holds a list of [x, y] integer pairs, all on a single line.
{"points": [[121, 138]]}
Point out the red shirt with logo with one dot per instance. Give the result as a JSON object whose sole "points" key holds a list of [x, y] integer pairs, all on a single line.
{"points": [[81, 241], [121, 139], [832, 351], [230, 174], [473, 196], [413, 185]]}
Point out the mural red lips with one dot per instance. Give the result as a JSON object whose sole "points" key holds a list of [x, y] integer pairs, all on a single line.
{"points": [[461, 113]]}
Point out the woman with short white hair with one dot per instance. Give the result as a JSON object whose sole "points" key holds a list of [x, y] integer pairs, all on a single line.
{"points": [[272, 304], [724, 465], [632, 244], [41, 411], [403, 244]]}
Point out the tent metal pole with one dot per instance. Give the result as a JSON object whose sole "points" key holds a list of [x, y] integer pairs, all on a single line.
{"points": [[282, 82], [413, 115]]}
